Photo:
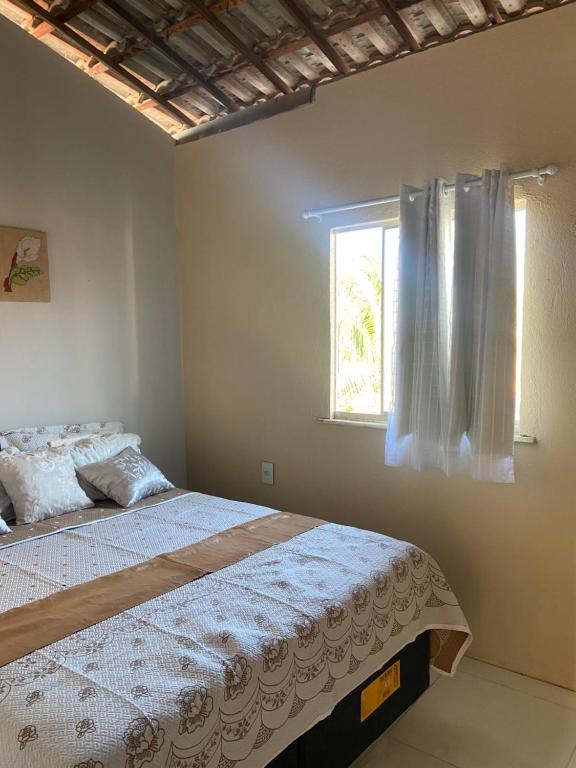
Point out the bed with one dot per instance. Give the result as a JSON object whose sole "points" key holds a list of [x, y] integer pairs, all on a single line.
{"points": [[238, 667]]}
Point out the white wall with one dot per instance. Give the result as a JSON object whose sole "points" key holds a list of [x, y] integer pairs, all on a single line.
{"points": [[99, 179]]}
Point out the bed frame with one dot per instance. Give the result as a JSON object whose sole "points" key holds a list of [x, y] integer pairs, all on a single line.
{"points": [[339, 739]]}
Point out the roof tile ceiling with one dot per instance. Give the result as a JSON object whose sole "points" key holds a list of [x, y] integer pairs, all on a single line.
{"points": [[183, 63]]}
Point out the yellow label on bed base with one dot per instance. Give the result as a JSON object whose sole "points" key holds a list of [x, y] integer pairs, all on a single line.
{"points": [[379, 690]]}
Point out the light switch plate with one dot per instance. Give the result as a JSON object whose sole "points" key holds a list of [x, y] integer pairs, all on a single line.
{"points": [[267, 473]]}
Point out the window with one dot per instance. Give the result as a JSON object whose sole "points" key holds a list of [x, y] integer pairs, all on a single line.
{"points": [[363, 296], [364, 271]]}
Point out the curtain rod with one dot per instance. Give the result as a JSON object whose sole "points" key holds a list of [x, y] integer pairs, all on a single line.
{"points": [[534, 173]]}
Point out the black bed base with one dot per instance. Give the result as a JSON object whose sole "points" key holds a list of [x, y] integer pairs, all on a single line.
{"points": [[339, 739]]}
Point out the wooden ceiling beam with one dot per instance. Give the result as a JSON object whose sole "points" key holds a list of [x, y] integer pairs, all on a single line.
{"points": [[344, 25], [401, 5], [336, 29], [172, 55], [294, 45], [195, 18], [492, 11], [317, 36], [217, 24], [302, 42], [181, 26], [225, 5], [83, 44], [399, 24]]}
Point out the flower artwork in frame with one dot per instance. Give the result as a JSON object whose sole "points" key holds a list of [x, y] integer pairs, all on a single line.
{"points": [[24, 274]]}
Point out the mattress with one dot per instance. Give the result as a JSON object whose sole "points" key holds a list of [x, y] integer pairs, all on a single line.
{"points": [[339, 739], [227, 670]]}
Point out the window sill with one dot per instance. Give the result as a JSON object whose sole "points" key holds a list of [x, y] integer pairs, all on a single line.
{"points": [[354, 423], [518, 438]]}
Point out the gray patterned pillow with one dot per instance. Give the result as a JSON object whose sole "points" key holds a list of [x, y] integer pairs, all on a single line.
{"points": [[42, 484], [126, 478], [98, 448], [33, 438]]}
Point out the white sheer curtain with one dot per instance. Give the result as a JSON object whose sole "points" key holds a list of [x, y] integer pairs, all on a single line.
{"points": [[454, 399]]}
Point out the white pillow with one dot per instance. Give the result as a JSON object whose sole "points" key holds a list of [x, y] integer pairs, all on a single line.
{"points": [[42, 484], [64, 442], [97, 448], [90, 450]]}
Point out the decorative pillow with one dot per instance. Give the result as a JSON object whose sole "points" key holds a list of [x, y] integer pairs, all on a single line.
{"points": [[33, 438], [42, 484], [126, 478], [68, 442], [91, 450]]}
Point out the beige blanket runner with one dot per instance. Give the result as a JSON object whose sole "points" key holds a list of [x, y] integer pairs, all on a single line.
{"points": [[76, 608]]}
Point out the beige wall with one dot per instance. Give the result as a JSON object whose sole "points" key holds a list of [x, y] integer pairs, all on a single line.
{"points": [[99, 179], [256, 320]]}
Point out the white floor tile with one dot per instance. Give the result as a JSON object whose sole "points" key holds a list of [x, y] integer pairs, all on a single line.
{"points": [[387, 753], [521, 683], [474, 723]]}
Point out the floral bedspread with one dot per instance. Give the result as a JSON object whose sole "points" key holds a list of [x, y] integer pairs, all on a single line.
{"points": [[223, 672]]}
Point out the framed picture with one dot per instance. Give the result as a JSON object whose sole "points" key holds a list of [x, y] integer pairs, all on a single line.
{"points": [[24, 274]]}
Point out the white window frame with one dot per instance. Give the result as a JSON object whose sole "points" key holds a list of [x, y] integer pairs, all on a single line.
{"points": [[381, 418]]}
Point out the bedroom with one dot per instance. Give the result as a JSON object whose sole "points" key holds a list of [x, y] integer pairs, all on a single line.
{"points": [[190, 300]]}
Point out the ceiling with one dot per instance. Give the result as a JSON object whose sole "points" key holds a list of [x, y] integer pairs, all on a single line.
{"points": [[187, 63]]}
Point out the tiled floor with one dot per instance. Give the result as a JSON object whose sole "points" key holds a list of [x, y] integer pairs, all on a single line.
{"points": [[485, 717]]}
